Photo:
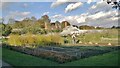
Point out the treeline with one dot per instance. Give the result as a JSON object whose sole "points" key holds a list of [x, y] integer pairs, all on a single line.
{"points": [[34, 26], [115, 27], [38, 26], [84, 27], [89, 27]]}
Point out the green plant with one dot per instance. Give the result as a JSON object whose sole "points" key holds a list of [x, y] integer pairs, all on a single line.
{"points": [[35, 40]]}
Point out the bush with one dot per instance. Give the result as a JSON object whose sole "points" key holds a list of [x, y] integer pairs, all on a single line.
{"points": [[15, 40]]}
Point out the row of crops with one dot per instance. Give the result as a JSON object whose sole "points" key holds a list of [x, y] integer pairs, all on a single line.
{"points": [[63, 54]]}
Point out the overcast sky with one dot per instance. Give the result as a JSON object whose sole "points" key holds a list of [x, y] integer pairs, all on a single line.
{"points": [[90, 13]]}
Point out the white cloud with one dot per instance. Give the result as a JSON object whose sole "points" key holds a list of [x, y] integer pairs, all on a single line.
{"points": [[57, 16], [73, 6], [74, 19], [103, 15], [104, 19], [25, 13], [70, 19], [100, 6], [89, 1], [58, 2], [70, 7], [45, 13], [17, 15]]}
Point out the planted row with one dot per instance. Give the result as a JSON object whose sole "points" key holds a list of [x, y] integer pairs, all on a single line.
{"points": [[61, 57], [51, 55]]}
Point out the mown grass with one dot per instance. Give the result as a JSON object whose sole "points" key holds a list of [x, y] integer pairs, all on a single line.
{"points": [[19, 59], [109, 59]]}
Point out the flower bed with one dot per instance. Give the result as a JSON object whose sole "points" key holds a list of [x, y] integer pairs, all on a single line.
{"points": [[62, 54]]}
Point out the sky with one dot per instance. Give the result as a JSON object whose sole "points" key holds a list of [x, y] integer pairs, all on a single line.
{"points": [[77, 13]]}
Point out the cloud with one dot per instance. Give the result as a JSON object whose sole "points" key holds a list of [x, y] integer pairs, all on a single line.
{"points": [[58, 2], [108, 22], [103, 15], [100, 6], [45, 13], [71, 19], [17, 15], [57, 16], [100, 14], [89, 1], [73, 6], [103, 19], [70, 7], [76, 19]]}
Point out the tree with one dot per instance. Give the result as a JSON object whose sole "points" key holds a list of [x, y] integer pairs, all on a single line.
{"points": [[6, 29], [45, 18], [46, 21], [86, 27], [113, 27], [33, 19], [11, 21], [1, 20], [40, 23], [57, 24], [2, 26], [114, 3]]}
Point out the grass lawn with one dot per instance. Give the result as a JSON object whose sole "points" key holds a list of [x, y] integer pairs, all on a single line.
{"points": [[18, 59], [109, 59]]}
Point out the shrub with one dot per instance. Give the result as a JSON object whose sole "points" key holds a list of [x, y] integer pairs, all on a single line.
{"points": [[15, 40], [32, 40]]}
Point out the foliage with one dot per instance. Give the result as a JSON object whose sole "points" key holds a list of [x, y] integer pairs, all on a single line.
{"points": [[56, 31], [5, 29], [97, 37], [15, 40], [86, 27], [33, 40], [115, 27]]}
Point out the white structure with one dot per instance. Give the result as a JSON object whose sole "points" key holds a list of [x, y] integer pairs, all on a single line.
{"points": [[70, 30]]}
